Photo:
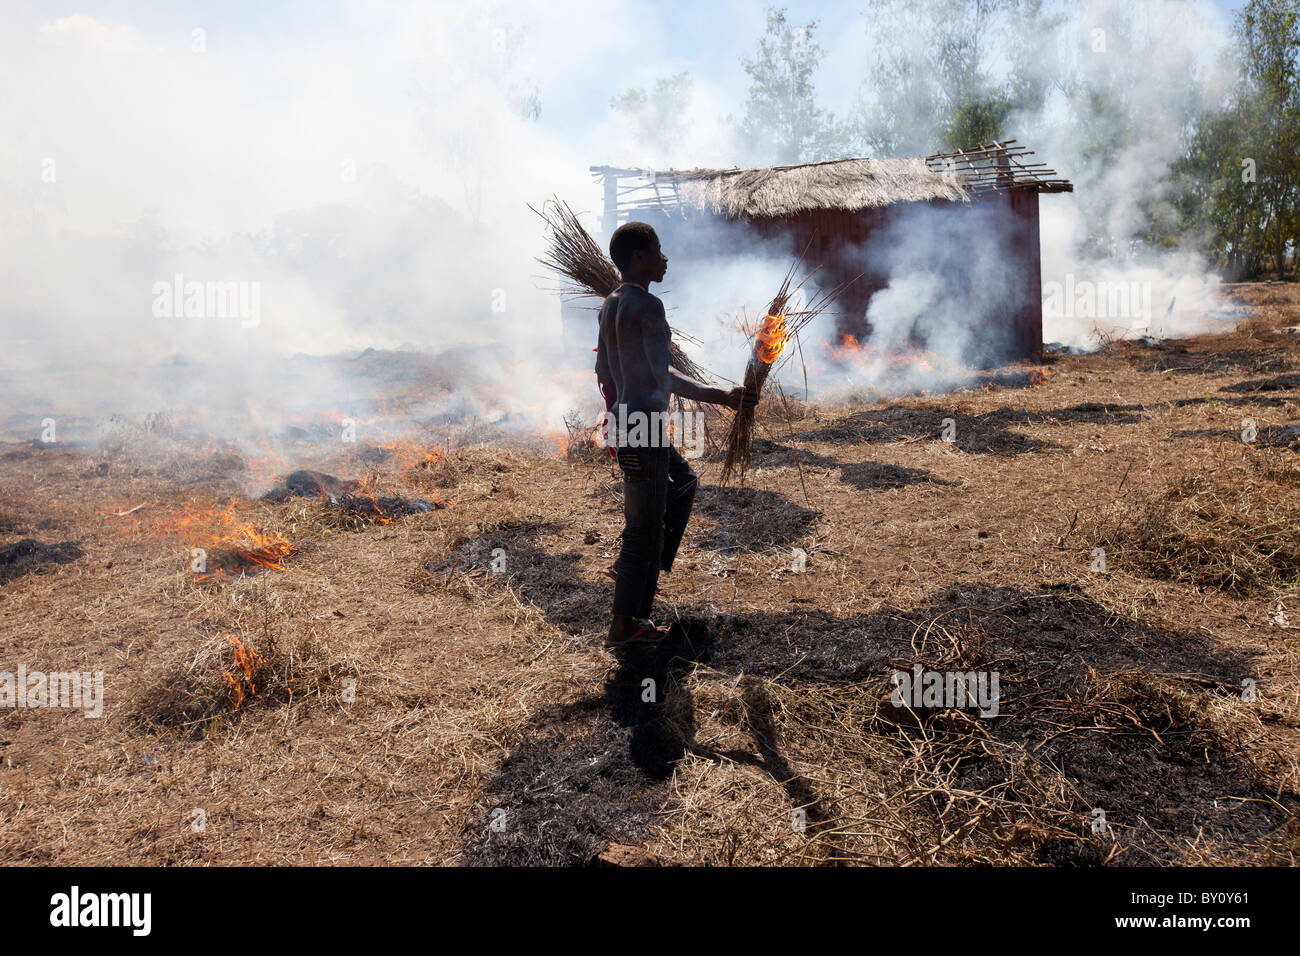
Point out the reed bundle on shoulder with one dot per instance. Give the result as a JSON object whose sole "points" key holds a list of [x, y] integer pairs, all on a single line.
{"points": [[575, 257]]}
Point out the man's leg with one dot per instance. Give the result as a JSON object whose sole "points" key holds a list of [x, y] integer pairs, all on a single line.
{"points": [[645, 492], [682, 484]]}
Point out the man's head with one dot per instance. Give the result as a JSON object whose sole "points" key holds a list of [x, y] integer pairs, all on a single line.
{"points": [[634, 247]]}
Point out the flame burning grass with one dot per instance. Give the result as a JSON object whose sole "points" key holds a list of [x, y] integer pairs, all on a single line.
{"points": [[267, 554], [920, 370], [359, 502], [233, 546], [224, 542], [224, 675], [1038, 376], [247, 662], [850, 350]]}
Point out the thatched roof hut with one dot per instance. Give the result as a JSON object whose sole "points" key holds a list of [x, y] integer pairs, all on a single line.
{"points": [[849, 185], [842, 213]]}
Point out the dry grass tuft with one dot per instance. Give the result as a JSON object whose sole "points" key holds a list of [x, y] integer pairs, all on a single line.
{"points": [[1226, 529], [249, 664]]}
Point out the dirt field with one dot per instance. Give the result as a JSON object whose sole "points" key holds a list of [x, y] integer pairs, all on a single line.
{"points": [[405, 703]]}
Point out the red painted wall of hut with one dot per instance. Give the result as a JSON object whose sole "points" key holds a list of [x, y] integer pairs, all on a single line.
{"points": [[838, 241]]}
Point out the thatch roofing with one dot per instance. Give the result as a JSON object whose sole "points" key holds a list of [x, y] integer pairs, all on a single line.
{"points": [[845, 184]]}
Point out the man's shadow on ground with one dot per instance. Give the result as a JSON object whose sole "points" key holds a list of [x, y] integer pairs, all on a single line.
{"points": [[597, 770]]}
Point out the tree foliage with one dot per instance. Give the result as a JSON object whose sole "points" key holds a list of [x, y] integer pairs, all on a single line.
{"points": [[659, 116], [941, 80], [782, 122], [1240, 176]]}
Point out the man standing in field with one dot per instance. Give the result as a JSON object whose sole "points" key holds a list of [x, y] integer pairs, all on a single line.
{"points": [[634, 374]]}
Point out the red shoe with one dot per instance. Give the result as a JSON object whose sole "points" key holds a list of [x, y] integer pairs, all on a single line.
{"points": [[643, 634]]}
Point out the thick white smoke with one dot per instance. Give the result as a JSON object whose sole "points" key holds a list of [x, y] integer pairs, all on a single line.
{"points": [[1123, 78], [1152, 65], [361, 180], [307, 187]]}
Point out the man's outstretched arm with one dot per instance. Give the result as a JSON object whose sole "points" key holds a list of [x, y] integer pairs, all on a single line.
{"points": [[689, 388]]}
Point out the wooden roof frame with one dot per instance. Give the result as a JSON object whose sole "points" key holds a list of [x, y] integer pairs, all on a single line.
{"points": [[997, 166]]}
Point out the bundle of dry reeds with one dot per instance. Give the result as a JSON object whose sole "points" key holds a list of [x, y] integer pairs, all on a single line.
{"points": [[779, 326], [575, 257]]}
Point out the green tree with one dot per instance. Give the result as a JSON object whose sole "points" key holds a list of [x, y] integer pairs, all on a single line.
{"points": [[935, 83], [782, 122], [1218, 201], [658, 116], [1269, 32], [1240, 176]]}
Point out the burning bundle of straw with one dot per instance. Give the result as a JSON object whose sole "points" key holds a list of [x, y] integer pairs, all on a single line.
{"points": [[780, 325], [574, 256]]}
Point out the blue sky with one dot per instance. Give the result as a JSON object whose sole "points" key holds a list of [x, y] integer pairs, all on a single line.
{"points": [[706, 39]]}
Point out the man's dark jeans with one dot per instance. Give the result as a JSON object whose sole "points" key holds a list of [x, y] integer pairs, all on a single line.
{"points": [[658, 491]]}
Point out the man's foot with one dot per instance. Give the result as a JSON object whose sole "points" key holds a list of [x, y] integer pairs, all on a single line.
{"points": [[627, 632]]}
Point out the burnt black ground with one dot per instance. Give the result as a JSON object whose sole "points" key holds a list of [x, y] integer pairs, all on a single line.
{"points": [[562, 796], [1279, 436], [873, 474], [30, 556], [991, 433], [1178, 359], [750, 518], [345, 495], [1278, 383], [861, 475], [597, 770], [766, 453], [1273, 436]]}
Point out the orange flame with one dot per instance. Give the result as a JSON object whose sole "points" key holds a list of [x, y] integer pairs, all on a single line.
{"points": [[253, 550], [851, 350], [248, 661], [561, 441], [268, 551], [366, 489], [771, 338], [1039, 376]]}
